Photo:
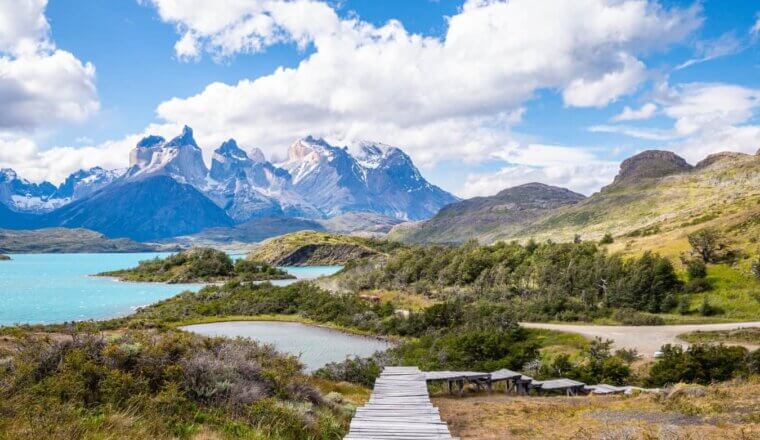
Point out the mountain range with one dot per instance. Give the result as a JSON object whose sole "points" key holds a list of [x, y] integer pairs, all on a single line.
{"points": [[168, 190]]}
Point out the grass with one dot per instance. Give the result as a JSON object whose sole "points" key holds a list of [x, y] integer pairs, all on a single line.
{"points": [[553, 343], [743, 335], [729, 410]]}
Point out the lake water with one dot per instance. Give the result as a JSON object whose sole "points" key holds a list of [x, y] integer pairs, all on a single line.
{"points": [[316, 346], [51, 288]]}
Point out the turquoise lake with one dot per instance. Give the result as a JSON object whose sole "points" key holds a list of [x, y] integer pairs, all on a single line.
{"points": [[52, 288]]}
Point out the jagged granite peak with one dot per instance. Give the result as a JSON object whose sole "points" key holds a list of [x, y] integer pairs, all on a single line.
{"points": [[650, 164], [180, 158], [378, 178], [228, 160], [151, 141], [185, 139]]}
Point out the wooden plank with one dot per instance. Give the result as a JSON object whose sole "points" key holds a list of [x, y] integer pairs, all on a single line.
{"points": [[399, 408]]}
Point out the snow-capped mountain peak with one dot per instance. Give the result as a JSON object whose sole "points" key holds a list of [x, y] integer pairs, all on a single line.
{"points": [[180, 158]]}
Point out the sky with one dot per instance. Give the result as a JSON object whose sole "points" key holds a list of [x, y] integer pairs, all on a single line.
{"points": [[482, 94]]}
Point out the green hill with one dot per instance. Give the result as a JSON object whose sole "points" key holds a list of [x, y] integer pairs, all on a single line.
{"points": [[308, 248]]}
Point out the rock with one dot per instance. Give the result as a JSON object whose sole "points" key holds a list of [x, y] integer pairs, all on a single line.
{"points": [[650, 164], [720, 157]]}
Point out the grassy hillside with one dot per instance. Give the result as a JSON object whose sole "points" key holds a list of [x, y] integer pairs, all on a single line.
{"points": [[658, 214], [318, 248]]}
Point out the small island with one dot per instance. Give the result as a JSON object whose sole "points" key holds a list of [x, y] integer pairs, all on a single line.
{"points": [[199, 265], [4, 257]]}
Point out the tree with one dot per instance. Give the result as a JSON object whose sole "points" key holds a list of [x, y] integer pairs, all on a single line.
{"points": [[705, 243]]}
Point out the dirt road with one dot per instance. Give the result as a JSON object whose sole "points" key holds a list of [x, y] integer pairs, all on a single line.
{"points": [[645, 339]]}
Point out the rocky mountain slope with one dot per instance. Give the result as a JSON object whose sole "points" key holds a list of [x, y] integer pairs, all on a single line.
{"points": [[148, 208], [484, 217], [318, 181]]}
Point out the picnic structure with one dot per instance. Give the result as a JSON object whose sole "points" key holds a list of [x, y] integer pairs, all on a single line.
{"points": [[399, 407]]}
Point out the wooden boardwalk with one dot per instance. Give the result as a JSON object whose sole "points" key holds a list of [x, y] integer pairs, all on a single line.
{"points": [[400, 409]]}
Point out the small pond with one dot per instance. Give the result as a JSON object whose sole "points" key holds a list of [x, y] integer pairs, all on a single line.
{"points": [[316, 346]]}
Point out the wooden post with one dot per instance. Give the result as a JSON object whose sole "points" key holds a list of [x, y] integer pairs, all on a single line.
{"points": [[451, 389]]}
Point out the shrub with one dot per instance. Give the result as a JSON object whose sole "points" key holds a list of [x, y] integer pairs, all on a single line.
{"points": [[706, 309], [607, 239], [701, 363], [632, 317], [696, 269], [363, 371]]}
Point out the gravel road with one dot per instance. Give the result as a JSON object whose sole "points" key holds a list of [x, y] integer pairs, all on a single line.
{"points": [[645, 339]]}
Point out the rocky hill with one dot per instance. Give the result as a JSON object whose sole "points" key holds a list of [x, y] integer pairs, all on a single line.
{"points": [[309, 248], [484, 217]]}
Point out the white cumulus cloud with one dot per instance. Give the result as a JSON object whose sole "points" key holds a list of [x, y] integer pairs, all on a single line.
{"points": [[439, 97], [39, 84]]}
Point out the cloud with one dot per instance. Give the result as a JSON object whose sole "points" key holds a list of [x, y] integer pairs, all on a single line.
{"points": [[726, 44], [577, 169], [628, 114], [39, 84], [450, 97], [651, 134], [700, 107], [755, 31], [612, 85]]}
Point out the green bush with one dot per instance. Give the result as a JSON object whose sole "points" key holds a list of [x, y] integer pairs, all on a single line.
{"points": [[696, 269], [607, 239], [700, 363]]}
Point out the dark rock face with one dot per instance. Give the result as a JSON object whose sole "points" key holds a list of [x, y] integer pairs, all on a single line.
{"points": [[324, 254], [145, 209], [649, 164]]}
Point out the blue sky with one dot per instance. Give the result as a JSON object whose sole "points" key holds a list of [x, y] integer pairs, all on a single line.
{"points": [[482, 95]]}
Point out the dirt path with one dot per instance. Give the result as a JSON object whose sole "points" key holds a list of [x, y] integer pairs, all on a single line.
{"points": [[645, 339]]}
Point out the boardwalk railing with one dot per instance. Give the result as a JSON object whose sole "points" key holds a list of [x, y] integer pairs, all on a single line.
{"points": [[399, 408]]}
